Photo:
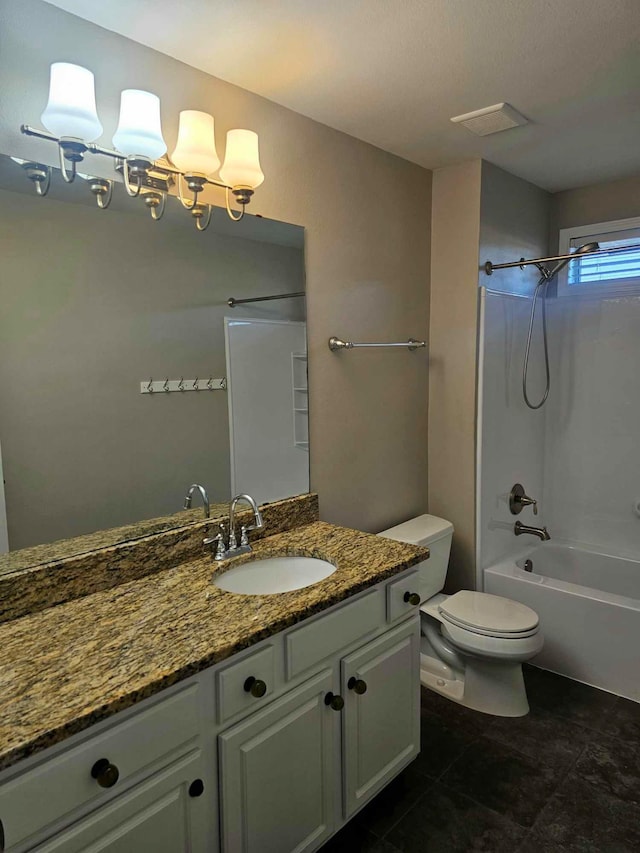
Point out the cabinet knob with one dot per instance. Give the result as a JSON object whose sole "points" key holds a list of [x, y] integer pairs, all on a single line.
{"points": [[357, 684], [196, 788], [335, 702], [255, 686], [105, 773], [412, 598]]}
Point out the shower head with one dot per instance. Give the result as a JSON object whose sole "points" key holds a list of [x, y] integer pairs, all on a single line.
{"points": [[586, 247]]}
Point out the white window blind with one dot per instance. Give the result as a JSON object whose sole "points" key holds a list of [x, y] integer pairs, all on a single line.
{"points": [[619, 268]]}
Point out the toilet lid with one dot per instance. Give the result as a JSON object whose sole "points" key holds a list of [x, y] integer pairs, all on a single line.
{"points": [[491, 614]]}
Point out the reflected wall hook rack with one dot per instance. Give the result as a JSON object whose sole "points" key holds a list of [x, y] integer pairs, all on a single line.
{"points": [[167, 386], [335, 344], [232, 302]]}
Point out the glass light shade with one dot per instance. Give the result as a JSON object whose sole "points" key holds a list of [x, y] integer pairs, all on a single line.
{"points": [[139, 130], [71, 109], [241, 166], [195, 151]]}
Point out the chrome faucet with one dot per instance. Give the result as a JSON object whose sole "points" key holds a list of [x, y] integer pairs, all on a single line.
{"points": [[541, 532], [232, 549], [258, 523], [204, 495]]}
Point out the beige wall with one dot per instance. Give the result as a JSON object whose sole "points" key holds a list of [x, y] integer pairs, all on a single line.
{"points": [[455, 238], [514, 223], [367, 215], [480, 212], [596, 203]]}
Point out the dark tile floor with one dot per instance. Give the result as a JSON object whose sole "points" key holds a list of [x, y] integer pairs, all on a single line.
{"points": [[564, 778]]}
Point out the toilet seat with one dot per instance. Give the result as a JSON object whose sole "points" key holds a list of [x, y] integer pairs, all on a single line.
{"points": [[519, 648], [488, 616]]}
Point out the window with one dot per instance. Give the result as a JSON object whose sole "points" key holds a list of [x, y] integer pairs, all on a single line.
{"points": [[616, 273]]}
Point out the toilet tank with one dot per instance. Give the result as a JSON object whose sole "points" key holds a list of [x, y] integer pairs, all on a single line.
{"points": [[435, 534]]}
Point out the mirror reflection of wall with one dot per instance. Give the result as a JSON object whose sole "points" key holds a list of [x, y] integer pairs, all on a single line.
{"points": [[96, 302]]}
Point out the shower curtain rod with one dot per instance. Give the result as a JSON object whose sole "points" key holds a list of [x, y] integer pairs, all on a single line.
{"points": [[231, 302], [522, 263]]}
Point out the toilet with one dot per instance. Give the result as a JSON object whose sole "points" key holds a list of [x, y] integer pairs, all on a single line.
{"points": [[473, 644]]}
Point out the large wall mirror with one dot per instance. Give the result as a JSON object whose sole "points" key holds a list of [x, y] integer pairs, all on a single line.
{"points": [[102, 307]]}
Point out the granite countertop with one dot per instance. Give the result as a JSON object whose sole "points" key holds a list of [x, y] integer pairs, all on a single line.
{"points": [[86, 543], [58, 580], [67, 667], [50, 552]]}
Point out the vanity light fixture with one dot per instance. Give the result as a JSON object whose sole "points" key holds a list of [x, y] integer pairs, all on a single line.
{"points": [[241, 168], [39, 175], [71, 113], [196, 157], [138, 136], [72, 122]]}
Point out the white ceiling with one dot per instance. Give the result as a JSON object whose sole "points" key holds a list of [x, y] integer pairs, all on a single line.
{"points": [[393, 72]]}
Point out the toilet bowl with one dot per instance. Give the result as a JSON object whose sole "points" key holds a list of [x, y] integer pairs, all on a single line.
{"points": [[473, 644]]}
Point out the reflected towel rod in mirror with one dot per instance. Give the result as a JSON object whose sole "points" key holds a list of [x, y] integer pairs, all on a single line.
{"points": [[335, 344], [231, 302]]}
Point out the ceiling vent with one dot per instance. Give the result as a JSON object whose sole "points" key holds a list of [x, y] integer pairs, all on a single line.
{"points": [[491, 119]]}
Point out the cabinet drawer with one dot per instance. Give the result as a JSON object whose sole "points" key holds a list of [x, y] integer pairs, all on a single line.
{"points": [[396, 593], [45, 794], [310, 645], [157, 815], [239, 687]]}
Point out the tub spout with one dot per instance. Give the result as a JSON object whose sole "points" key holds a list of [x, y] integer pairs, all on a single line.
{"points": [[541, 532]]}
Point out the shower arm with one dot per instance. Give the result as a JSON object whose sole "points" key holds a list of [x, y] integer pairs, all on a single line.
{"points": [[489, 267]]}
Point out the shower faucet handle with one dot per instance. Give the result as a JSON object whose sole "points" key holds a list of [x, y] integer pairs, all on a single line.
{"points": [[518, 500]]}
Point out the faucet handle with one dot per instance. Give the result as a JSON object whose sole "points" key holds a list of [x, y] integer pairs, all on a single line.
{"points": [[518, 500], [244, 536], [218, 541], [220, 549]]}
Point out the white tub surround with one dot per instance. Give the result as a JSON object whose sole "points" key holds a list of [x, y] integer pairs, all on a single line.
{"points": [[589, 608]]}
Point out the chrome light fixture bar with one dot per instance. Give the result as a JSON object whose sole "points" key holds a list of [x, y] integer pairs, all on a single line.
{"points": [[72, 123]]}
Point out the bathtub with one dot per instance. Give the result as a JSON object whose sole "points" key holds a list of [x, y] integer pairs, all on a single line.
{"points": [[589, 609]]}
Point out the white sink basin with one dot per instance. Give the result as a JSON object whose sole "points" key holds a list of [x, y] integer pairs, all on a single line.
{"points": [[274, 574]]}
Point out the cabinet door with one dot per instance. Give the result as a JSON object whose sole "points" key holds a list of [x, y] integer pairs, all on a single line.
{"points": [[157, 816], [278, 774], [381, 731]]}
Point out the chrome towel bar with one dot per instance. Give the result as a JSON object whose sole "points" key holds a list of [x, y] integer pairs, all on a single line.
{"points": [[335, 344]]}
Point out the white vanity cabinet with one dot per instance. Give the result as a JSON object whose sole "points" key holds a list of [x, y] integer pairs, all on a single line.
{"points": [[157, 816], [293, 773], [116, 776], [278, 774], [270, 751], [381, 716]]}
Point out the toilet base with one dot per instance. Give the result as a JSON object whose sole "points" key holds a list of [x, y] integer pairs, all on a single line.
{"points": [[491, 687]]}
